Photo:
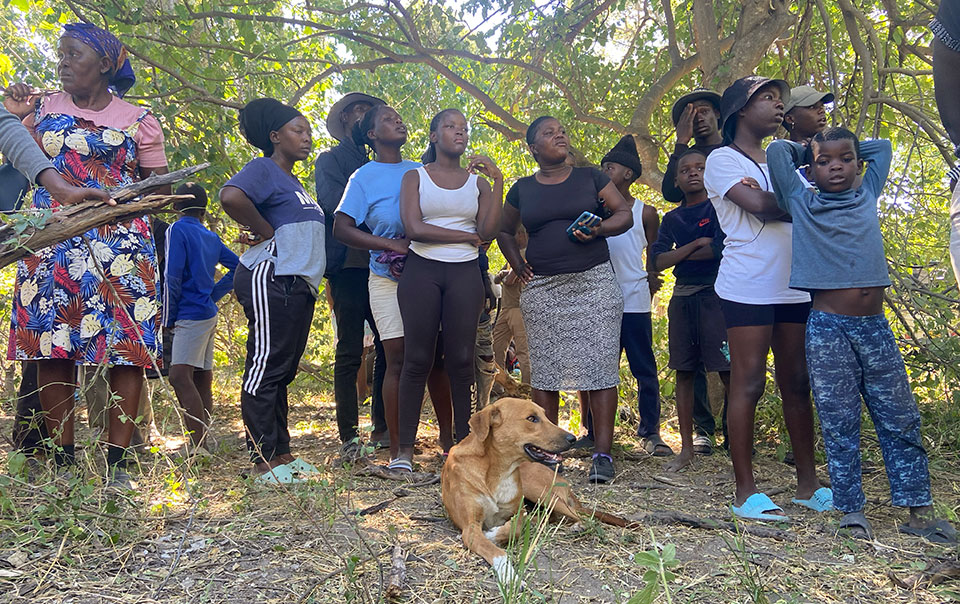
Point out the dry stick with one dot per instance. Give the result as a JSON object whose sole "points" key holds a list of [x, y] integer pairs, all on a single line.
{"points": [[76, 219], [176, 558], [398, 573], [373, 509], [326, 577], [710, 523], [63, 542], [668, 481], [370, 469]]}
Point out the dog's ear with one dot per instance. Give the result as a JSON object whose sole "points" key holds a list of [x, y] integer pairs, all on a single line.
{"points": [[480, 425], [482, 420]]}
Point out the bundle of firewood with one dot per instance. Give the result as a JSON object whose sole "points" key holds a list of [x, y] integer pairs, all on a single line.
{"points": [[20, 236]]}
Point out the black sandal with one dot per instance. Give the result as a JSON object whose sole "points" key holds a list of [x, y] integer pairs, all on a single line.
{"points": [[857, 525], [940, 531]]}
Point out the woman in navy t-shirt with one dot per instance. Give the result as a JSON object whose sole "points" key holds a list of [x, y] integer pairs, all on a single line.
{"points": [[278, 279]]}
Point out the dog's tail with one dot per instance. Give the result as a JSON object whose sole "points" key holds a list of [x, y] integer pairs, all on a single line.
{"points": [[611, 519]]}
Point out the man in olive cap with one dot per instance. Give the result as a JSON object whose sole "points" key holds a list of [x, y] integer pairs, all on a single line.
{"points": [[346, 273], [804, 115]]}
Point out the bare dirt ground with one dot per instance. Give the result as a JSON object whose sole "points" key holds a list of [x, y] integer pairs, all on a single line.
{"points": [[199, 532]]}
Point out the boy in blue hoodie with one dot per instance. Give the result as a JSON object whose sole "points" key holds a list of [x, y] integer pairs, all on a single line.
{"points": [[851, 352], [190, 295]]}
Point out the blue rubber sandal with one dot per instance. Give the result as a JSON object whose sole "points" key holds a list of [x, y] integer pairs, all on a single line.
{"points": [[302, 467], [822, 501], [758, 507], [278, 475], [400, 465]]}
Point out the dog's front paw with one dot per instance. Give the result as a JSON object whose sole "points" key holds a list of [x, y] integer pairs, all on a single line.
{"points": [[506, 575]]}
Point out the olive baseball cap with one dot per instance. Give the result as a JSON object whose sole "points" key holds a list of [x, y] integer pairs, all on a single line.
{"points": [[738, 94], [806, 96]]}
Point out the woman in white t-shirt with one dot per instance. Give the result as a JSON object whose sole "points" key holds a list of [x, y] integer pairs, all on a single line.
{"points": [[447, 212], [760, 310]]}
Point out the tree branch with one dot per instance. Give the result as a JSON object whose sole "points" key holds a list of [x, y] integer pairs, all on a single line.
{"points": [[705, 36]]}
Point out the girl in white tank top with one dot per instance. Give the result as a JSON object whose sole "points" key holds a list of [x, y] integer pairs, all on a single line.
{"points": [[452, 209], [447, 214]]}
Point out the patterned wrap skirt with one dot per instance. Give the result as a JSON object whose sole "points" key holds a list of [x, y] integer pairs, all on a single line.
{"points": [[573, 329]]}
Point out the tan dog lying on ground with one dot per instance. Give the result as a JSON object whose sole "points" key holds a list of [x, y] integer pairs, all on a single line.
{"points": [[489, 474]]}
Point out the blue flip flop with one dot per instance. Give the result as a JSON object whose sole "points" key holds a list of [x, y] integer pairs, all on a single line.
{"points": [[822, 501], [302, 467], [279, 475], [400, 465], [758, 507]]}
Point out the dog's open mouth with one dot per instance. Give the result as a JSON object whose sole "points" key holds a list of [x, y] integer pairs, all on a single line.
{"points": [[542, 455]]}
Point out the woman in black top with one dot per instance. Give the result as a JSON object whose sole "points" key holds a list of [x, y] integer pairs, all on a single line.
{"points": [[572, 303]]}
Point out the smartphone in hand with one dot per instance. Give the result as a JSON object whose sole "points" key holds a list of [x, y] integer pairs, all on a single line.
{"points": [[584, 224]]}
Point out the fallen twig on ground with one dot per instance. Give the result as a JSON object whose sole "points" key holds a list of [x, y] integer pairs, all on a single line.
{"points": [[665, 517], [669, 481], [398, 573], [379, 507], [413, 479]]}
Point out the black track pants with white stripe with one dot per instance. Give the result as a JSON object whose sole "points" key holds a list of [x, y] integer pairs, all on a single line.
{"points": [[279, 311]]}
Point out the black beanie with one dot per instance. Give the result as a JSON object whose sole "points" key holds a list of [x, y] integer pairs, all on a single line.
{"points": [[625, 154], [260, 117]]}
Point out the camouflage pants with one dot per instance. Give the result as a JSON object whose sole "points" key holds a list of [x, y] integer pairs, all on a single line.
{"points": [[485, 366], [852, 359]]}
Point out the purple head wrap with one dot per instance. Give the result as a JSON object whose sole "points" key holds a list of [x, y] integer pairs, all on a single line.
{"points": [[107, 45]]}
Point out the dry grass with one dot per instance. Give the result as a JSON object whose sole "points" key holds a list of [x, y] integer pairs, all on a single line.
{"points": [[200, 533]]}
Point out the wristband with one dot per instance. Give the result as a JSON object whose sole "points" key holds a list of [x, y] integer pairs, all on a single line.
{"points": [[954, 173]]}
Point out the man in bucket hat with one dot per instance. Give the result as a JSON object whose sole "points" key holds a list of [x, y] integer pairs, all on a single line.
{"points": [[696, 115], [760, 309], [347, 272]]}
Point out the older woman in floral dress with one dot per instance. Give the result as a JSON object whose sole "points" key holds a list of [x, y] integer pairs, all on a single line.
{"points": [[91, 299]]}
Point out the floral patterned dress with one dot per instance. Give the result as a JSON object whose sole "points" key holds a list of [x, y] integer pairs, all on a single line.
{"points": [[92, 299]]}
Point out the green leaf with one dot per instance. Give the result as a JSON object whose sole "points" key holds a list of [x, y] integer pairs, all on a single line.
{"points": [[647, 559], [645, 596]]}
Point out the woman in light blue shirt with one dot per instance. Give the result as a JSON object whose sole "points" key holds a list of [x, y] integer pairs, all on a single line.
{"points": [[372, 199]]}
